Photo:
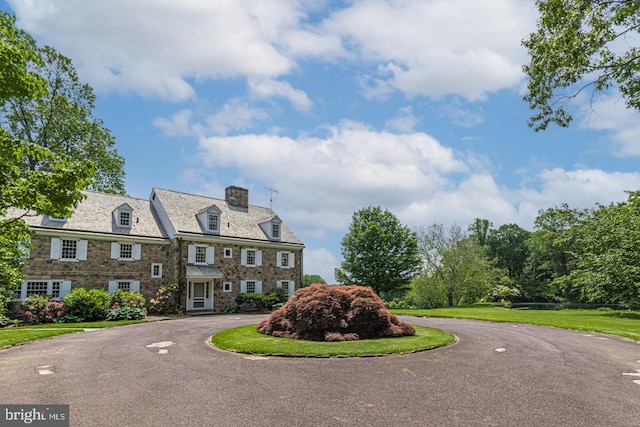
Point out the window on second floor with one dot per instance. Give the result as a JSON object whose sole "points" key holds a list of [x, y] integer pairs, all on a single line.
{"points": [[251, 257], [200, 254], [126, 251], [68, 249]]}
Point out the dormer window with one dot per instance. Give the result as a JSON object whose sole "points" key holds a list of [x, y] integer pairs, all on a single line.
{"points": [[123, 216], [272, 228], [125, 219], [209, 219], [275, 230], [213, 221]]}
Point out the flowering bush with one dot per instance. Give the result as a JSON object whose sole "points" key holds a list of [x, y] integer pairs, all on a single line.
{"points": [[40, 309], [504, 293], [165, 300], [127, 299], [119, 312]]}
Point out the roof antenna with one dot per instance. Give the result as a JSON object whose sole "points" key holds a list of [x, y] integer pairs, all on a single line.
{"points": [[272, 190]]}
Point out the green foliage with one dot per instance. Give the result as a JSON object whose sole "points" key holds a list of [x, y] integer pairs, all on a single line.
{"points": [[578, 40], [62, 121], [33, 177], [90, 305], [263, 302], [508, 246], [228, 308], [126, 313], [127, 299], [40, 309], [165, 301], [608, 243], [310, 279], [17, 51], [457, 270], [378, 252]]}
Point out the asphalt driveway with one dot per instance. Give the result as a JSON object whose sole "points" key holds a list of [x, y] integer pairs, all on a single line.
{"points": [[166, 374]]}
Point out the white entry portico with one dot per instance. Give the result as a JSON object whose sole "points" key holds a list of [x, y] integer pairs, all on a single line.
{"points": [[200, 287]]}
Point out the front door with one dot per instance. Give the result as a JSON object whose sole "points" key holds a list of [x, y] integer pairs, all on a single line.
{"points": [[199, 297]]}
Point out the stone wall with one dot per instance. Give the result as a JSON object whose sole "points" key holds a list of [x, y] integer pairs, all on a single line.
{"points": [[99, 268], [234, 272]]}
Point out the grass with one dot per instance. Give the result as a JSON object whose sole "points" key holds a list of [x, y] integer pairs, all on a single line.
{"points": [[620, 323], [22, 334], [246, 339]]}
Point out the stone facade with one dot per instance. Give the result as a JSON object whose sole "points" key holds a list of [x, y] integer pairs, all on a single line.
{"points": [[120, 241], [98, 269]]}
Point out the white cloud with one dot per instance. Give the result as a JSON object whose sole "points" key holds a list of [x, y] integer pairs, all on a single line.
{"points": [[461, 116], [155, 47], [405, 121], [438, 48], [269, 88], [159, 48], [322, 262]]}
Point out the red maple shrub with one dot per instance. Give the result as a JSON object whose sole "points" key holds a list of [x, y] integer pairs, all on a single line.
{"points": [[334, 313]]}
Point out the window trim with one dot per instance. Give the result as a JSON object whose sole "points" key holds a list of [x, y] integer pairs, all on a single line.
{"points": [[64, 287], [153, 266], [230, 252], [227, 287]]}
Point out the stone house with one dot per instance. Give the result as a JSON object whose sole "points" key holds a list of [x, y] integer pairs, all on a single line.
{"points": [[214, 249]]}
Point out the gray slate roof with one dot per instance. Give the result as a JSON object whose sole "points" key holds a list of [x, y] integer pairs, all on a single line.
{"points": [[181, 210], [95, 214]]}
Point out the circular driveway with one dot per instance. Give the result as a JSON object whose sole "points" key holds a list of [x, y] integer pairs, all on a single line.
{"points": [[166, 374]]}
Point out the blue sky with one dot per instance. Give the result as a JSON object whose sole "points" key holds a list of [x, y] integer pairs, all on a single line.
{"points": [[415, 106]]}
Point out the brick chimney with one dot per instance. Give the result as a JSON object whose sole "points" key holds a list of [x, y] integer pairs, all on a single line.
{"points": [[237, 196]]}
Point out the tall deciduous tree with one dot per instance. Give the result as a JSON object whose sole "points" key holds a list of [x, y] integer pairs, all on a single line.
{"points": [[608, 242], [61, 120], [508, 246], [581, 45], [379, 252], [455, 266], [54, 187]]}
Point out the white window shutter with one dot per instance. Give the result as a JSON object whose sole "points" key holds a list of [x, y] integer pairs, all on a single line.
{"points": [[258, 286], [258, 259], [136, 251], [292, 287], [292, 259], [23, 291], [210, 254], [191, 257], [55, 248], [243, 287], [115, 250], [135, 286], [81, 253], [113, 286], [243, 257], [65, 288], [279, 260]]}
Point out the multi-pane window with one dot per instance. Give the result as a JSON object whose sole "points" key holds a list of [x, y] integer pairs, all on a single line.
{"points": [[285, 259], [40, 287], [213, 222], [126, 250], [124, 285], [201, 254], [275, 230], [251, 257], [251, 286], [156, 270], [125, 218], [285, 285], [69, 249]]}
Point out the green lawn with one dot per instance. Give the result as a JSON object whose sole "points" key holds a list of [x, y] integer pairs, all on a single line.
{"points": [[246, 339], [19, 335], [621, 323]]}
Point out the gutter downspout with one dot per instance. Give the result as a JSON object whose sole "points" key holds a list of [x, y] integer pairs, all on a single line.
{"points": [[180, 284]]}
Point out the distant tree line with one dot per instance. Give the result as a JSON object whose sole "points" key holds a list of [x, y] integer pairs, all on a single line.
{"points": [[573, 255]]}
